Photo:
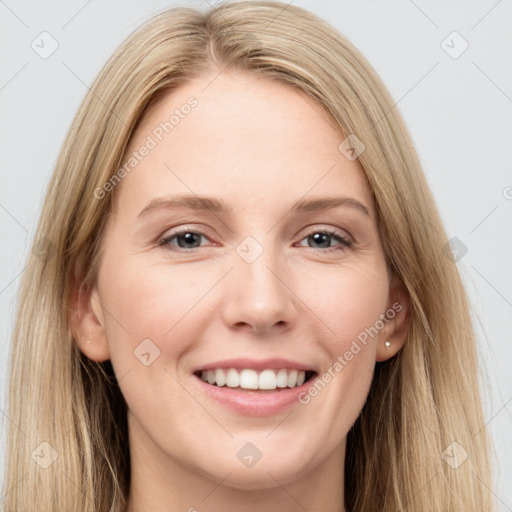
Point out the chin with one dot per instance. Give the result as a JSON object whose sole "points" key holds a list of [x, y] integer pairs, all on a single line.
{"points": [[265, 474]]}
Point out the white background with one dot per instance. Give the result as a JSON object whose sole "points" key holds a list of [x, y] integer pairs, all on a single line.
{"points": [[459, 112]]}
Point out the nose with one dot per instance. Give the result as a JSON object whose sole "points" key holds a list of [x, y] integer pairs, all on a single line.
{"points": [[259, 297]]}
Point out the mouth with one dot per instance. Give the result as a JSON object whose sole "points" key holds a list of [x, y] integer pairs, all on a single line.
{"points": [[268, 380], [255, 387]]}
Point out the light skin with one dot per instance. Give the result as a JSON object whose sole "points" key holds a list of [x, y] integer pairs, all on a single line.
{"points": [[259, 146]]}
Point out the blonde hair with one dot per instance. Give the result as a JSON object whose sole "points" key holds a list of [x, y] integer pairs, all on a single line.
{"points": [[420, 401]]}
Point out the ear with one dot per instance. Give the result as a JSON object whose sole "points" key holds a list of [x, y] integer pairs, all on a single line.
{"points": [[87, 323], [396, 322]]}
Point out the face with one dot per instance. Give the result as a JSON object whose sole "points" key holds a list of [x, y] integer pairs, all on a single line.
{"points": [[225, 269]]}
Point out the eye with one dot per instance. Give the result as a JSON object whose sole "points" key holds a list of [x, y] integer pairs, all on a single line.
{"points": [[325, 237], [185, 239]]}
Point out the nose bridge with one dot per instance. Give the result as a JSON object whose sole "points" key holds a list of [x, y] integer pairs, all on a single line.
{"points": [[258, 294]]}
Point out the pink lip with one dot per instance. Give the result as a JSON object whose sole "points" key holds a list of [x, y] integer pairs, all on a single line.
{"points": [[254, 403], [255, 364]]}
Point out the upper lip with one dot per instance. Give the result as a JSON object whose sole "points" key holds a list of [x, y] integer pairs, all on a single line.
{"points": [[256, 364]]}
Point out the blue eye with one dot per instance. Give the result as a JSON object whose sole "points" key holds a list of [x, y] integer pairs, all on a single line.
{"points": [[187, 239], [325, 237], [184, 238]]}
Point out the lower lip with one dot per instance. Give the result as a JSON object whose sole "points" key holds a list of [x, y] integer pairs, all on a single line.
{"points": [[254, 403]]}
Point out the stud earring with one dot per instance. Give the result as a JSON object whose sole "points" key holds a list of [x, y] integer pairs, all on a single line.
{"points": [[388, 344]]}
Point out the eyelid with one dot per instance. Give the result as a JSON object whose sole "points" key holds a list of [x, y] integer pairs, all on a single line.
{"points": [[330, 229], [181, 229], [346, 240]]}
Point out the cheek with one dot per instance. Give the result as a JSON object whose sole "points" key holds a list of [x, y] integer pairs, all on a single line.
{"points": [[350, 303], [347, 299], [151, 302], [154, 318]]}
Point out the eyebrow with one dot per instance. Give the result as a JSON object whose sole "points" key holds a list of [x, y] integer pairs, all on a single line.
{"points": [[217, 205]]}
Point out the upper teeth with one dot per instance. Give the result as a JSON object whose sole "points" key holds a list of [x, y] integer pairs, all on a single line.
{"points": [[251, 379]]}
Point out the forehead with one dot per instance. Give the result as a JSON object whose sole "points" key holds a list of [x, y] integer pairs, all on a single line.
{"points": [[247, 138]]}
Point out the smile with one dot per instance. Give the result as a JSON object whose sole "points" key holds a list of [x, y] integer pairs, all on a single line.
{"points": [[254, 387], [248, 378]]}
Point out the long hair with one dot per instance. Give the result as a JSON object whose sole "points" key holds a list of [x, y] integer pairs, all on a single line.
{"points": [[67, 434]]}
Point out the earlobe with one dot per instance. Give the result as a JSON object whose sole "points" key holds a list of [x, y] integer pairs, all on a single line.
{"points": [[394, 334], [86, 322]]}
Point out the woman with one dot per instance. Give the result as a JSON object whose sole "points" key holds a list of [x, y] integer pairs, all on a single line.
{"points": [[182, 343]]}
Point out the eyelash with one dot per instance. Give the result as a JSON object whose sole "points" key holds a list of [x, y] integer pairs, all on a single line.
{"points": [[345, 242]]}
